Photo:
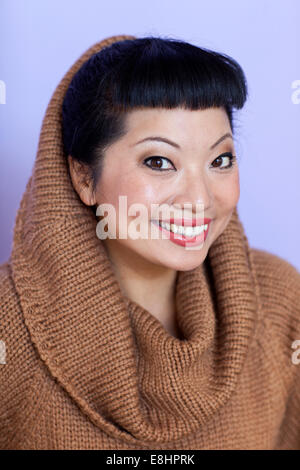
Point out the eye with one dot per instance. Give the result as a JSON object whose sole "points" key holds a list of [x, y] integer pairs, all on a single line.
{"points": [[227, 157], [159, 163]]}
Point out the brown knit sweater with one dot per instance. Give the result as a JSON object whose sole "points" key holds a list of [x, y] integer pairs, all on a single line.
{"points": [[86, 368]]}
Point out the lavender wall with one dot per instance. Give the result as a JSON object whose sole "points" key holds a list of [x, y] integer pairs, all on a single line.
{"points": [[39, 40]]}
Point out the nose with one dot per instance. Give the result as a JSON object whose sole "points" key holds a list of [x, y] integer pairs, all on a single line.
{"points": [[194, 193]]}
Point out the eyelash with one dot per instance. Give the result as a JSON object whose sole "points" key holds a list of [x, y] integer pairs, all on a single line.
{"points": [[229, 155]]}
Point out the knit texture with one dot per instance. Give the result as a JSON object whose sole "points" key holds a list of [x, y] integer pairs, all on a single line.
{"points": [[87, 368]]}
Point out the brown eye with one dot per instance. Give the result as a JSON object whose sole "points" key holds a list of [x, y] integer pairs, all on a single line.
{"points": [[217, 162], [225, 157], [158, 163]]}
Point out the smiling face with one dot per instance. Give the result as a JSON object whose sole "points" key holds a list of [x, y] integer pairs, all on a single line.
{"points": [[194, 168]]}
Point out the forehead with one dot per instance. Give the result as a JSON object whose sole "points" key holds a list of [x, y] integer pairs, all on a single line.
{"points": [[178, 123], [156, 117]]}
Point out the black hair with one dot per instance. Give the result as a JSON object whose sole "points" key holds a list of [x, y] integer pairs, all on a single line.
{"points": [[143, 72]]}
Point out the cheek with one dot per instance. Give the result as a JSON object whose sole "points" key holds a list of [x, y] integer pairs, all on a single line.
{"points": [[137, 189], [227, 192]]}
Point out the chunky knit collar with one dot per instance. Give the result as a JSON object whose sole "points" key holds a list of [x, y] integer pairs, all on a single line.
{"points": [[123, 369]]}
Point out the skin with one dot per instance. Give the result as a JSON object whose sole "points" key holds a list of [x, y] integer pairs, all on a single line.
{"points": [[147, 268]]}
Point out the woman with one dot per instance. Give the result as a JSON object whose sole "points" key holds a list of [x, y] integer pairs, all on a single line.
{"points": [[177, 339]]}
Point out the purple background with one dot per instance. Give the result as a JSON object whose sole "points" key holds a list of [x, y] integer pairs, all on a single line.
{"points": [[40, 40]]}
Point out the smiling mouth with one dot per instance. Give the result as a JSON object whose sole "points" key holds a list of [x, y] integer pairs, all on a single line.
{"points": [[186, 231]]}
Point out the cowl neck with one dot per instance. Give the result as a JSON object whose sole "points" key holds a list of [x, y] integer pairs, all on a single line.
{"points": [[126, 373]]}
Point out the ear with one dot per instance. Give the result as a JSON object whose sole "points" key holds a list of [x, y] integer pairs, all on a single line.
{"points": [[82, 181]]}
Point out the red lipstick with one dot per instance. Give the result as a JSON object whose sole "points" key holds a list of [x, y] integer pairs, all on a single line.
{"points": [[181, 239]]}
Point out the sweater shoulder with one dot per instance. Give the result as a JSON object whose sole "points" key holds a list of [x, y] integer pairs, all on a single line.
{"points": [[279, 287], [17, 358], [14, 334], [10, 312], [273, 265], [275, 274]]}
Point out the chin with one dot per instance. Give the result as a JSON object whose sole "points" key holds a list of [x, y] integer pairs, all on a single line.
{"points": [[186, 260], [167, 254]]}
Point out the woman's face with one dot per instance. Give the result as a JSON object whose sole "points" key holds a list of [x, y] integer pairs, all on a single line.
{"points": [[189, 170]]}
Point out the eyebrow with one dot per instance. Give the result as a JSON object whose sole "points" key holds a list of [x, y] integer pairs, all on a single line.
{"points": [[170, 142]]}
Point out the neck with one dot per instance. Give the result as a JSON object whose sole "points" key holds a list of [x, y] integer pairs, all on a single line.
{"points": [[150, 285]]}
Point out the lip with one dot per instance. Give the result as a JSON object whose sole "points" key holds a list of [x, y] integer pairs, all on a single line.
{"points": [[182, 240]]}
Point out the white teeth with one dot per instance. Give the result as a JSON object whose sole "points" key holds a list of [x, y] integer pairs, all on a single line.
{"points": [[187, 231]]}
